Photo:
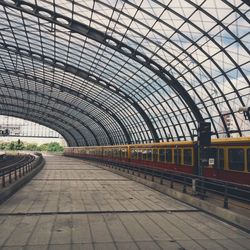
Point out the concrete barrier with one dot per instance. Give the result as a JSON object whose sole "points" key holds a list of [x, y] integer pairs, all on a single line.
{"points": [[7, 192], [231, 217]]}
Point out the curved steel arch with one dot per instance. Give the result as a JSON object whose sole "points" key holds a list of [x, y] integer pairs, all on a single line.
{"points": [[77, 72], [143, 24], [27, 101], [208, 56], [84, 75], [67, 90], [16, 114], [54, 118], [63, 103], [102, 38], [195, 44], [45, 122], [182, 60], [185, 19]]}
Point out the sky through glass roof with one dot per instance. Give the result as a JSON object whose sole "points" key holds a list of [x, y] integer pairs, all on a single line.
{"points": [[115, 72]]}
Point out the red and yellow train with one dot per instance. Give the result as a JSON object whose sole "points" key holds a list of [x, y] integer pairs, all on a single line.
{"points": [[229, 157]]}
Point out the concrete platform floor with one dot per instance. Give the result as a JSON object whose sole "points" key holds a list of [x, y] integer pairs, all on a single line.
{"points": [[71, 204]]}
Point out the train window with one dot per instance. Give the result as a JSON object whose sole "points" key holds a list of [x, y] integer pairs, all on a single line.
{"points": [[139, 154], [117, 153], [124, 153], [177, 156], [218, 155], [169, 155], [162, 155], [187, 154], [149, 154], [236, 159], [248, 160], [134, 154], [155, 154]]}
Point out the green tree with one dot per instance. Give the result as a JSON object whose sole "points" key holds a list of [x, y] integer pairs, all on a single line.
{"points": [[10, 146], [43, 147], [4, 145], [19, 145], [32, 147], [55, 147]]}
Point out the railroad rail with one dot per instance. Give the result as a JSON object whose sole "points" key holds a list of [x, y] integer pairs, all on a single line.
{"points": [[7, 160], [15, 167], [199, 186]]}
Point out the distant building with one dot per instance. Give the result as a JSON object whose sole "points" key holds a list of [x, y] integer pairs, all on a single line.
{"points": [[231, 124]]}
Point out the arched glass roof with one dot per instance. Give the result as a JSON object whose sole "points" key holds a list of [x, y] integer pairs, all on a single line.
{"points": [[118, 71]]}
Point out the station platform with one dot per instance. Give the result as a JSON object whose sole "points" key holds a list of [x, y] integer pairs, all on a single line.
{"points": [[72, 204]]}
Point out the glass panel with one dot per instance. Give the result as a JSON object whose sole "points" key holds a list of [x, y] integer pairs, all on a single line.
{"points": [[177, 156], [188, 157], [144, 154], [218, 155], [162, 155], [149, 154], [124, 153], [169, 155], [155, 154], [134, 154], [139, 154], [236, 159]]}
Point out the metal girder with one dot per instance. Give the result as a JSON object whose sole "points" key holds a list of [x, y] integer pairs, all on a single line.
{"points": [[61, 102], [46, 122], [42, 113], [22, 116], [116, 45], [57, 100], [47, 113], [63, 88], [246, 2], [216, 78], [54, 118]]}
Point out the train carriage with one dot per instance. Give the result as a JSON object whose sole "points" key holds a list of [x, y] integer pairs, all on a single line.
{"points": [[177, 156], [229, 157]]}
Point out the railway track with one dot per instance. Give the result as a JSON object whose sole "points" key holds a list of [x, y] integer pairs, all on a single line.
{"points": [[13, 160], [14, 167]]}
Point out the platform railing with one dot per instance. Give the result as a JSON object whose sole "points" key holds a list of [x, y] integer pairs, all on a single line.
{"points": [[195, 185], [18, 169]]}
